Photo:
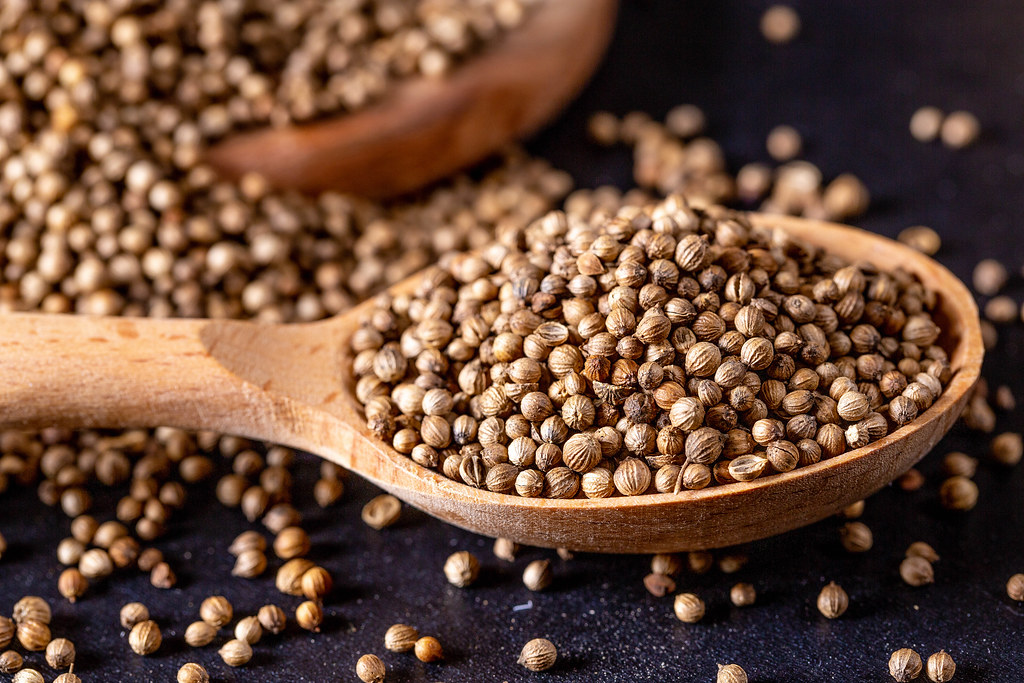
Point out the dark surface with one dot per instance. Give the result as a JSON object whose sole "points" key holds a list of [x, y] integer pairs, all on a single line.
{"points": [[849, 83]]}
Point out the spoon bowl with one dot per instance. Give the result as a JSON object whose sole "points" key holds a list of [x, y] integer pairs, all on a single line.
{"points": [[293, 384]]}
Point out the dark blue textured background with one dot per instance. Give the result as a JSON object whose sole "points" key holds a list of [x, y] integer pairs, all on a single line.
{"points": [[849, 83]]}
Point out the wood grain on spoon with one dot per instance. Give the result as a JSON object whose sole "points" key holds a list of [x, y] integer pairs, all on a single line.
{"points": [[292, 384], [425, 129]]}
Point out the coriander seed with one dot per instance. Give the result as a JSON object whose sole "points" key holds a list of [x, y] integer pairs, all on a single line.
{"points": [[688, 607], [922, 239], [941, 667], [659, 585], [958, 493], [309, 615], [28, 676], [33, 635], [247, 541], [926, 123], [316, 583], [7, 629], [71, 584], [538, 654], [145, 638], [249, 564], [780, 24], [905, 665], [461, 568], [731, 673], [60, 653], [1007, 448], [235, 652], [272, 618], [1015, 587], [916, 571], [289, 576], [370, 669], [10, 662], [199, 634], [162, 576], [742, 594], [249, 630], [922, 550], [193, 673], [856, 537], [989, 277], [960, 129], [382, 511], [291, 542], [833, 601], [216, 611], [428, 649], [31, 607], [505, 549], [400, 638], [537, 575]]}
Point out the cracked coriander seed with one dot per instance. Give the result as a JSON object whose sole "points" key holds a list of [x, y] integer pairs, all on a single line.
{"points": [[833, 601], [688, 607], [1015, 587], [272, 618], [743, 595], [400, 638], [941, 667], [235, 652], [731, 673], [537, 575], [370, 669], [193, 673], [538, 654], [905, 665], [428, 649], [216, 611], [916, 571], [461, 568], [60, 653], [199, 634], [145, 638], [382, 511], [309, 615]]}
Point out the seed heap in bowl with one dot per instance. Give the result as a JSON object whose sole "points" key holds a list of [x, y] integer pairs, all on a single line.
{"points": [[659, 348]]}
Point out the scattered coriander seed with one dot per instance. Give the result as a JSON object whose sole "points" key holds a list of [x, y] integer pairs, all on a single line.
{"points": [[28, 676], [911, 480], [249, 630], [145, 638], [685, 121], [370, 669], [905, 665], [922, 238], [235, 652], [162, 576], [96, 564], [538, 654], [1015, 587], [246, 541], [60, 653], [216, 611], [856, 537], [309, 616], [505, 549], [916, 571], [461, 568], [922, 550], [853, 510], [249, 564], [7, 629], [960, 129], [31, 607], [1007, 448], [603, 128], [537, 575], [784, 143], [688, 607], [958, 493], [71, 584], [743, 594], [428, 649], [327, 492], [1004, 398], [731, 673], [700, 561], [1001, 310], [291, 542], [149, 559], [659, 585], [10, 662], [730, 563], [67, 677], [989, 277], [199, 634], [33, 635], [400, 638], [564, 554], [780, 24], [316, 583], [669, 564], [193, 673], [926, 123], [957, 464], [382, 511], [289, 576], [941, 667], [833, 601], [272, 618]]}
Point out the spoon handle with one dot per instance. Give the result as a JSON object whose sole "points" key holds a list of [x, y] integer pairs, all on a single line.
{"points": [[77, 371]]}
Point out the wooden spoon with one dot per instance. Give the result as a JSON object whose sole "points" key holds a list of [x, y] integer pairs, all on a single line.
{"points": [[292, 384], [425, 129]]}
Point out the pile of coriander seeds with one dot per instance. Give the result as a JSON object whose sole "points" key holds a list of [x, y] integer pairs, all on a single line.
{"points": [[656, 348]]}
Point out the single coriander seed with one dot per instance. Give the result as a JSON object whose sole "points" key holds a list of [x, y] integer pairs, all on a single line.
{"points": [[71, 584], [905, 665], [400, 638], [193, 673], [428, 649], [133, 613], [316, 583], [216, 611], [199, 634], [461, 568], [33, 635], [249, 630], [505, 549], [289, 576], [1015, 587], [7, 629], [688, 607], [272, 618], [922, 550], [743, 595], [31, 607], [370, 669], [28, 676], [145, 638], [731, 673], [67, 678], [916, 571], [537, 575], [382, 511], [941, 667], [60, 653], [538, 654], [856, 537], [309, 615], [833, 601], [10, 662], [659, 585], [235, 652]]}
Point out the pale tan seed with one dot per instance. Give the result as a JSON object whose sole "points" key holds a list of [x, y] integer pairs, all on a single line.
{"points": [[538, 654]]}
